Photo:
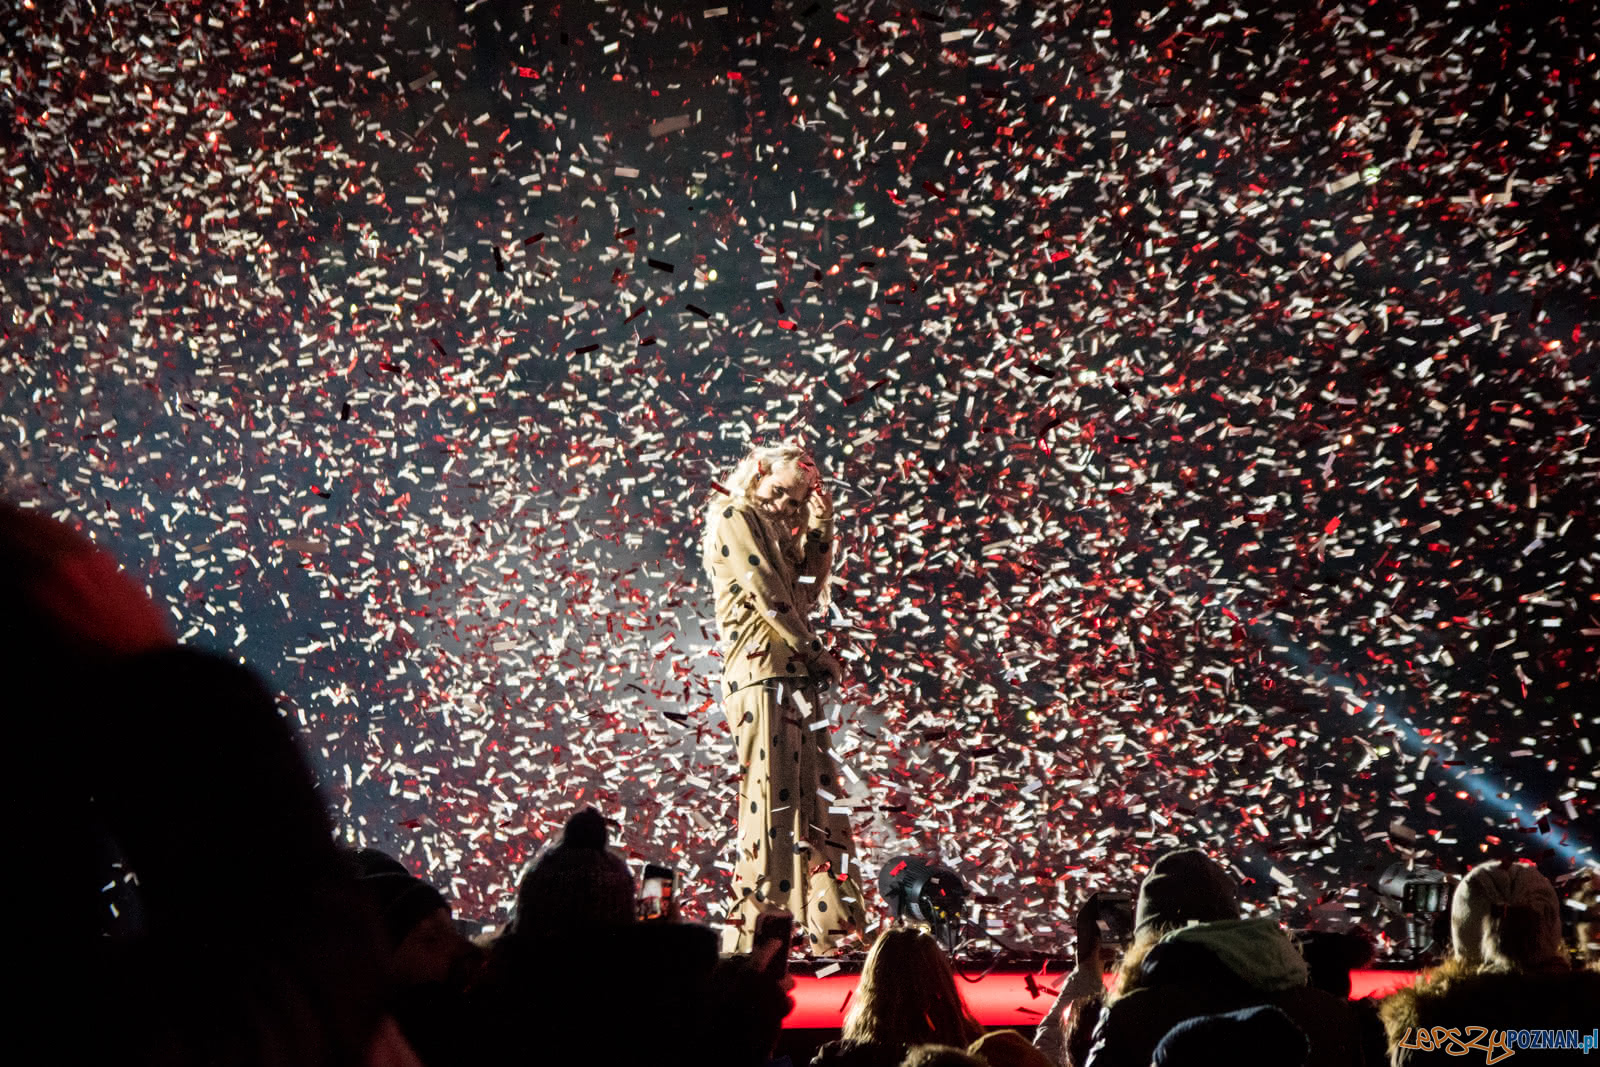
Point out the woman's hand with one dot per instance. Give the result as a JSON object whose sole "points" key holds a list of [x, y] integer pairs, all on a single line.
{"points": [[819, 505], [826, 666]]}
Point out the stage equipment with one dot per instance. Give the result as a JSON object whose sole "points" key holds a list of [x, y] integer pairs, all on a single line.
{"points": [[925, 892], [1422, 898]]}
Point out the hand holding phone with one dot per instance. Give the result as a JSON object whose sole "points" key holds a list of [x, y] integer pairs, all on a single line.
{"points": [[770, 951], [657, 896], [1105, 929]]}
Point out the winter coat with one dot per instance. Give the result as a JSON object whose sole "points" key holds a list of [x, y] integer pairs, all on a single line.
{"points": [[1214, 967], [1453, 996]]}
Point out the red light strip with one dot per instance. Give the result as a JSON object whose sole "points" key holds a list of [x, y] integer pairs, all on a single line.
{"points": [[1003, 999]]}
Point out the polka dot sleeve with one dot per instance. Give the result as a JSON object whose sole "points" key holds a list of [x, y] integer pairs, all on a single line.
{"points": [[744, 557], [818, 563]]}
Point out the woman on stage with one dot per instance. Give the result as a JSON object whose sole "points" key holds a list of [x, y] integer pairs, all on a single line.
{"points": [[769, 554]]}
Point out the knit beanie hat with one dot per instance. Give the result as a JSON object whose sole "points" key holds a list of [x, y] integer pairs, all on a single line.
{"points": [[1506, 917], [1185, 886], [577, 884], [403, 901], [1263, 1034]]}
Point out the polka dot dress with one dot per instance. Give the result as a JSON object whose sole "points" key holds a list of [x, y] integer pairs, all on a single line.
{"points": [[793, 851], [792, 848]]}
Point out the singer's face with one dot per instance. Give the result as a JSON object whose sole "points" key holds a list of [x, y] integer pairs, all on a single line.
{"points": [[783, 491]]}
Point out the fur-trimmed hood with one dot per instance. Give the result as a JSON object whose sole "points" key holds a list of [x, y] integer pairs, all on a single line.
{"points": [[1457, 994], [1402, 1009]]}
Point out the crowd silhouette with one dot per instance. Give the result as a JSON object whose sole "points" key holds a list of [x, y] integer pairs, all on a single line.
{"points": [[202, 913]]}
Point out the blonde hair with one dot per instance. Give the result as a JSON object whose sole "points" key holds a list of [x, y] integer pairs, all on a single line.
{"points": [[1130, 967], [908, 996], [739, 489]]}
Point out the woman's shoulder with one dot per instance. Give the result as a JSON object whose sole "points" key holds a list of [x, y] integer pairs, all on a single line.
{"points": [[726, 509]]}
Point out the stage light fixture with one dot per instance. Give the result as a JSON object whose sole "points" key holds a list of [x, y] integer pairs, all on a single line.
{"points": [[1422, 897], [925, 892]]}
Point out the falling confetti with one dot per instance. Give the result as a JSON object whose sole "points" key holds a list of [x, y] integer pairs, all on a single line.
{"points": [[1207, 395]]}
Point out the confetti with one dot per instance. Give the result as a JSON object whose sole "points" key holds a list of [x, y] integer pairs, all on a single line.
{"points": [[1213, 464], [672, 125]]}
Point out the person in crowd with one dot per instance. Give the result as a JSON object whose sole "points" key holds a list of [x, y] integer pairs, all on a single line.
{"points": [[1585, 904], [1065, 1032], [939, 1056], [768, 552], [431, 963], [1192, 955], [1508, 970], [1260, 1035], [740, 1018], [575, 954], [579, 887], [564, 944], [1331, 955], [249, 941], [907, 996], [1007, 1048]]}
